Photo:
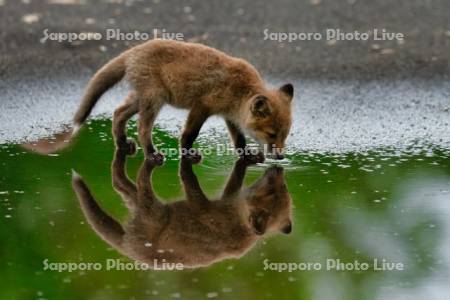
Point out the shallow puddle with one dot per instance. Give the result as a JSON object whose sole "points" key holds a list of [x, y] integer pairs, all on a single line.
{"points": [[354, 208]]}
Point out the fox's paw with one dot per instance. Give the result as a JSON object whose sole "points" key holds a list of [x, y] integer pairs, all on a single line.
{"points": [[128, 147], [155, 157], [253, 158], [193, 155]]}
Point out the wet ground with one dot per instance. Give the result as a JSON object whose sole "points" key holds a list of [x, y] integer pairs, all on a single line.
{"points": [[335, 116]]}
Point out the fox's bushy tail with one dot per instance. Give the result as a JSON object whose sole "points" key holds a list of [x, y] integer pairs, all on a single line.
{"points": [[106, 227], [104, 79]]}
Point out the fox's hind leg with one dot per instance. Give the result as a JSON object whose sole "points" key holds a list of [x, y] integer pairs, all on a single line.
{"points": [[121, 183], [196, 119], [121, 115]]}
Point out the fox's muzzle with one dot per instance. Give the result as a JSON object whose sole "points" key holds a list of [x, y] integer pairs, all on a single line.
{"points": [[275, 152]]}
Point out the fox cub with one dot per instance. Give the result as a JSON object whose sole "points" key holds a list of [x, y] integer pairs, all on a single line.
{"points": [[196, 231], [195, 77]]}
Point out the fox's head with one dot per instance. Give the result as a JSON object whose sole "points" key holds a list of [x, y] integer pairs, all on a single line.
{"points": [[269, 118], [270, 203]]}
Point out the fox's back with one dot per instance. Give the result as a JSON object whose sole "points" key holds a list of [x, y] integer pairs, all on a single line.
{"points": [[210, 232], [191, 72]]}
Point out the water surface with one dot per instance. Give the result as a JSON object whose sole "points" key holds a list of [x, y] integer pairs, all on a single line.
{"points": [[381, 204]]}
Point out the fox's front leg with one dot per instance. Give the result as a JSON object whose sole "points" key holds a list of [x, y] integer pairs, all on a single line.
{"points": [[121, 183], [121, 116], [236, 179], [197, 117], [240, 144], [191, 186], [148, 111], [147, 199]]}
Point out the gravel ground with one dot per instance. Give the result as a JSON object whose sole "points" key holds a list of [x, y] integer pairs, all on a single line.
{"points": [[336, 116]]}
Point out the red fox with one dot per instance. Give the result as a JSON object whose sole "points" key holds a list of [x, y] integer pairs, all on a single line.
{"points": [[195, 77], [196, 231]]}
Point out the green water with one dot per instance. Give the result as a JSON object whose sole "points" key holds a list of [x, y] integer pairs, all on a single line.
{"points": [[349, 207]]}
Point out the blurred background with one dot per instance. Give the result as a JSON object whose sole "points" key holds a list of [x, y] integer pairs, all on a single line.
{"points": [[236, 27]]}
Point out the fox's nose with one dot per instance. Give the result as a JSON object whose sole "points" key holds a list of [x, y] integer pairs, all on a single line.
{"points": [[279, 156], [287, 228]]}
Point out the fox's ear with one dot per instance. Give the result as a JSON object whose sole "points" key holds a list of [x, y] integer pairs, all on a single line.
{"points": [[260, 106], [288, 89], [259, 220]]}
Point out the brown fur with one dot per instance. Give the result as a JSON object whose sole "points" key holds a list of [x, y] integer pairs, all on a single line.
{"points": [[195, 77], [195, 232]]}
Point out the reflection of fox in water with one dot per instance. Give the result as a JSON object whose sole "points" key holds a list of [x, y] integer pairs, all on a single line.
{"points": [[197, 231], [195, 77]]}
